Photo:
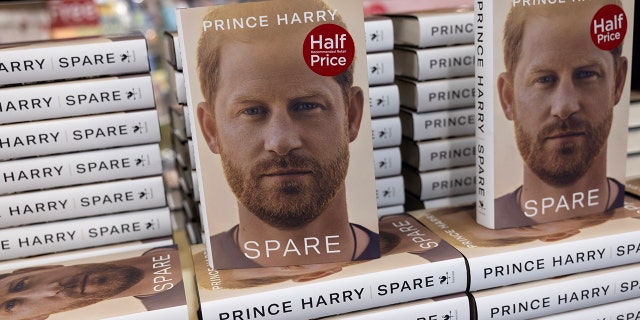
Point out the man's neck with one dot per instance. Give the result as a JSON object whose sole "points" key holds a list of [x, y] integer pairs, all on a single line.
{"points": [[327, 238], [161, 269]]}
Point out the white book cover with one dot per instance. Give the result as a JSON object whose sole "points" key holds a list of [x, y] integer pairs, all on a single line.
{"points": [[437, 124], [434, 95], [36, 239], [384, 100], [378, 33], [622, 310], [47, 137], [434, 63], [392, 209], [381, 68], [29, 62], [386, 132], [76, 98], [553, 93], [81, 201], [79, 168], [388, 161], [434, 28], [390, 191]]}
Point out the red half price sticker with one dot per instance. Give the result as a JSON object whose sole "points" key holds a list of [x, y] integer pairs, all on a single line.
{"points": [[328, 50], [608, 27]]}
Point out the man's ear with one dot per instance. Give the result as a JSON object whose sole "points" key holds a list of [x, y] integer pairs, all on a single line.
{"points": [[505, 90], [621, 78], [207, 125], [354, 112]]}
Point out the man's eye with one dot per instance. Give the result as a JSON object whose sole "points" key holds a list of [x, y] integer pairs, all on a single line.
{"points": [[18, 286], [305, 106], [9, 305], [585, 74], [546, 79], [253, 111]]}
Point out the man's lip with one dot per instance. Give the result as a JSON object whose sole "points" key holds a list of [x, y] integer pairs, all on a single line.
{"points": [[287, 172], [568, 134]]}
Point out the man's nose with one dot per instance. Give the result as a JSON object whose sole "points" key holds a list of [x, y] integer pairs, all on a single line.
{"points": [[46, 290], [565, 100], [282, 133]]}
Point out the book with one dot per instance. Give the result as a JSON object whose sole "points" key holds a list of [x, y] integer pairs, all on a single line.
{"points": [[384, 100], [84, 57], [288, 38], [434, 63], [76, 98], [381, 68], [414, 265], [79, 168], [439, 94], [450, 307], [621, 310], [172, 49], [386, 132], [378, 33], [37, 239], [437, 124], [559, 294], [439, 183], [633, 144], [388, 161], [81, 201], [177, 85], [390, 191], [528, 154], [145, 283], [458, 200], [433, 28], [440, 153], [500, 257], [392, 209], [47, 137]]}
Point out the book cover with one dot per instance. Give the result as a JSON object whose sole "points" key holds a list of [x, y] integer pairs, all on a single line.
{"points": [[47, 137], [415, 264], [141, 284], [76, 98], [81, 201], [450, 307], [65, 235], [499, 257], [558, 294], [433, 28], [284, 157], [84, 57], [552, 109]]}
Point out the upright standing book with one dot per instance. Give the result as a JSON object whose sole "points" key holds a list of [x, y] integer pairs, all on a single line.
{"points": [[552, 88], [281, 131]]}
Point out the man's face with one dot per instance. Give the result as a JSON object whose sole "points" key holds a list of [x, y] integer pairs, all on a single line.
{"points": [[281, 130], [35, 292], [563, 94]]}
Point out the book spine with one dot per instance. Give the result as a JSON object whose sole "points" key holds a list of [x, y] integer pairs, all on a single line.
{"points": [[621, 310], [446, 29], [439, 154], [360, 292], [80, 168], [437, 124], [386, 132], [381, 68], [451, 201], [446, 308], [390, 191], [440, 183], [83, 233], [178, 86], [435, 63], [73, 60], [172, 49], [384, 100], [187, 120], [594, 288], [82, 201], [389, 210], [378, 34], [435, 95], [78, 134], [388, 161], [75, 98], [484, 75]]}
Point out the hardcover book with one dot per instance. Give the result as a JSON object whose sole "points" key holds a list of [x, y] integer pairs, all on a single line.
{"points": [[381, 68], [621, 310], [435, 95], [433, 28], [384, 100], [284, 159], [415, 264], [434, 63], [85, 57], [140, 284], [559, 294], [514, 255], [379, 33], [552, 87]]}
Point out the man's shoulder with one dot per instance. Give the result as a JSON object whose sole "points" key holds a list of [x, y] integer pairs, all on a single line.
{"points": [[372, 251]]}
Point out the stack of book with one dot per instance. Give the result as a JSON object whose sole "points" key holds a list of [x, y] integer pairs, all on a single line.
{"points": [[181, 138], [384, 102], [79, 136], [434, 65], [83, 204]]}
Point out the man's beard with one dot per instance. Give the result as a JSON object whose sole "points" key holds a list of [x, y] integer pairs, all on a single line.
{"points": [[564, 164], [108, 278], [289, 205]]}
